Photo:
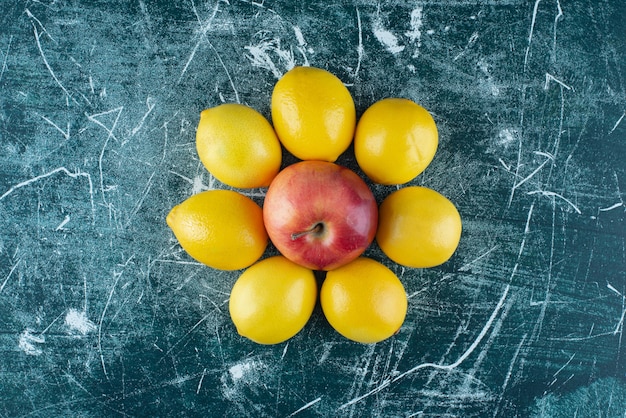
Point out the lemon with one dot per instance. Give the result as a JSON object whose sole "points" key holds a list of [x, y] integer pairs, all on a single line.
{"points": [[220, 228], [418, 227], [395, 140], [364, 301], [313, 114], [238, 146], [272, 300]]}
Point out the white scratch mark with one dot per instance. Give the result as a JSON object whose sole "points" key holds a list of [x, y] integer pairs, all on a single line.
{"points": [[544, 154], [230, 79], [204, 318], [359, 49], [620, 324], [192, 263], [150, 103], [618, 122], [305, 406], [106, 141], [470, 42], [550, 77], [610, 287], [531, 175], [510, 371], [282, 357], [51, 173], [43, 28], [139, 203], [200, 382], [615, 206], [203, 31], [6, 56], [588, 337], [565, 365], [438, 366], [547, 295], [27, 343], [559, 14], [77, 321], [553, 194], [530, 34], [4, 283], [104, 311], [526, 231], [66, 133], [468, 265], [506, 166], [63, 223], [45, 60]]}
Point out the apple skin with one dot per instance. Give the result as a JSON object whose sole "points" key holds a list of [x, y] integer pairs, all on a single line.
{"points": [[319, 214]]}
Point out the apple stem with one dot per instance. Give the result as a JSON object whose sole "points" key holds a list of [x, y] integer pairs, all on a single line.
{"points": [[315, 229]]}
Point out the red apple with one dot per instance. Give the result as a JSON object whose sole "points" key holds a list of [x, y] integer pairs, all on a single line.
{"points": [[319, 214]]}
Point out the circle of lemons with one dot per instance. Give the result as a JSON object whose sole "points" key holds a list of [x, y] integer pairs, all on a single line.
{"points": [[394, 141]]}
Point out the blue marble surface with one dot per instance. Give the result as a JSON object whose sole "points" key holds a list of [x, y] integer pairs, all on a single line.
{"points": [[103, 314]]}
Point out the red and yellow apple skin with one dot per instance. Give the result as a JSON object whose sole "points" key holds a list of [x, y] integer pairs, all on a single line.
{"points": [[319, 214]]}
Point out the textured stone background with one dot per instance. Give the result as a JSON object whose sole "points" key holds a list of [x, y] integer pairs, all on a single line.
{"points": [[102, 314]]}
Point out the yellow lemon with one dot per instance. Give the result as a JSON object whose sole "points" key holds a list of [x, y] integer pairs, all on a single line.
{"points": [[364, 301], [238, 146], [395, 140], [220, 228], [418, 227], [272, 300], [313, 114]]}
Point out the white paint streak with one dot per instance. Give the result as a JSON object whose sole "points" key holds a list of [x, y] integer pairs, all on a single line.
{"points": [[415, 34], [302, 44], [507, 137], [238, 370], [77, 321], [27, 343], [263, 54], [387, 38]]}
